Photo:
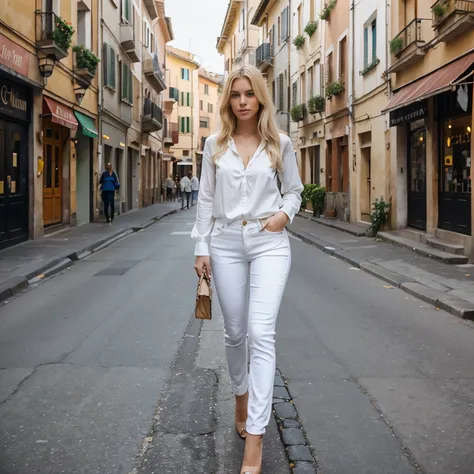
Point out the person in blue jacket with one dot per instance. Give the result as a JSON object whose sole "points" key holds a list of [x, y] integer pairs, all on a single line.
{"points": [[109, 183]]}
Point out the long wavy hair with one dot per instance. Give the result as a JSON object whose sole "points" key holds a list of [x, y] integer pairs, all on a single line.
{"points": [[266, 115]]}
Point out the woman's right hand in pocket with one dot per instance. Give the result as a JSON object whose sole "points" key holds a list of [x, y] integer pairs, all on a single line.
{"points": [[203, 265]]}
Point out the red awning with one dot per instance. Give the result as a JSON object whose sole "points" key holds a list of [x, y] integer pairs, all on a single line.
{"points": [[59, 113], [438, 81]]}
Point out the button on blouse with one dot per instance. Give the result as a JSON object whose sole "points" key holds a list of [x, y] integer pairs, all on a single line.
{"points": [[230, 191]]}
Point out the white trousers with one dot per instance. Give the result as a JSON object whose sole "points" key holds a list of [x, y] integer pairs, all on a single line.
{"points": [[250, 268]]}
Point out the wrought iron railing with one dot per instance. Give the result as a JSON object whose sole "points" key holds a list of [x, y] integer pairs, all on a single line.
{"points": [[264, 53], [152, 111], [412, 33], [443, 9]]}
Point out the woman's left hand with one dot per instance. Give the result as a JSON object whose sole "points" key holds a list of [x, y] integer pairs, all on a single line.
{"points": [[277, 222]]}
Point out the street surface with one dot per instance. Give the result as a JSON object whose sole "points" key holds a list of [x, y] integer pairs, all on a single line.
{"points": [[104, 370]]}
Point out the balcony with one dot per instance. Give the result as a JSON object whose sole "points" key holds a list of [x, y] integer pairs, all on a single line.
{"points": [[408, 46], [151, 8], [152, 119], [154, 73], [53, 35], [264, 56], [171, 135], [128, 42], [85, 64], [452, 18], [173, 95]]}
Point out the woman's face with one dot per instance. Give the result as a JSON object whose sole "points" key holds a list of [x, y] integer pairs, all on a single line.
{"points": [[243, 101]]}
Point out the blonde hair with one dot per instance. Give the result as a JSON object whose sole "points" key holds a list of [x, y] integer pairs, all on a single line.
{"points": [[266, 117]]}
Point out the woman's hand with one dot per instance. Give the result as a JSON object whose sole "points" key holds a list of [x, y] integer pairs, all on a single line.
{"points": [[277, 222], [203, 265]]}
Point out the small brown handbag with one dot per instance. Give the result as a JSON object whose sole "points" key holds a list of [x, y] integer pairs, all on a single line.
{"points": [[204, 298]]}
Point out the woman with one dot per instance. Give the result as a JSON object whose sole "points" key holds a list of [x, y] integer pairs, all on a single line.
{"points": [[240, 232], [109, 183]]}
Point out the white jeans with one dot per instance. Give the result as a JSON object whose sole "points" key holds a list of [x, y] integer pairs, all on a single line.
{"points": [[250, 268]]}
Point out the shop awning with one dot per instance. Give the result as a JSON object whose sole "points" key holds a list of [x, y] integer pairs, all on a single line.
{"points": [[184, 163], [437, 82], [167, 157], [87, 124], [59, 113]]}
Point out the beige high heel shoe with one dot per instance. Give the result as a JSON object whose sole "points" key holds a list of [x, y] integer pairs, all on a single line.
{"points": [[253, 469]]}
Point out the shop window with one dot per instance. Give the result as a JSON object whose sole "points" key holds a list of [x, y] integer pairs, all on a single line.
{"points": [[456, 156]]}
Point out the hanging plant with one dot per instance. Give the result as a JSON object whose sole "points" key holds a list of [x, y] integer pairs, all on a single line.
{"points": [[316, 104], [86, 59], [62, 33], [440, 10], [370, 66], [299, 41], [396, 45], [311, 28], [334, 88], [298, 112], [327, 9]]}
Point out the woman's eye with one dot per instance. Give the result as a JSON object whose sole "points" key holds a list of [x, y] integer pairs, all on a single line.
{"points": [[235, 96], [250, 94]]}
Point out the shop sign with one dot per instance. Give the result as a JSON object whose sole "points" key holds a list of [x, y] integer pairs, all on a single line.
{"points": [[13, 56], [408, 114], [13, 100]]}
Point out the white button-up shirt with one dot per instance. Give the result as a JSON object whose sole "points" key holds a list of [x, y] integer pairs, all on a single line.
{"points": [[229, 191]]}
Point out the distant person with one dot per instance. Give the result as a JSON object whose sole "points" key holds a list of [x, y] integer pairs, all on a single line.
{"points": [[169, 186], [109, 183], [186, 190], [194, 189], [178, 187]]}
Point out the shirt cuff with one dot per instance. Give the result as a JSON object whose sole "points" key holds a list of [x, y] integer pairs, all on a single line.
{"points": [[288, 210], [201, 249]]}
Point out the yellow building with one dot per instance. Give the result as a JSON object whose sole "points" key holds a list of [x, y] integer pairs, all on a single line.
{"points": [[431, 119], [48, 116], [183, 84], [239, 39], [209, 90]]}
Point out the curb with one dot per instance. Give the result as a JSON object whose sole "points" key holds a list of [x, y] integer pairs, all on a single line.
{"points": [[441, 300], [298, 449], [332, 225], [59, 263]]}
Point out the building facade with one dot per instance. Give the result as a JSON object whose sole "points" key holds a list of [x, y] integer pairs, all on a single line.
{"points": [[431, 119]]}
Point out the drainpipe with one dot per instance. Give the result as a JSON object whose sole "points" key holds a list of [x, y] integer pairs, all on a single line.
{"points": [[351, 114], [101, 105]]}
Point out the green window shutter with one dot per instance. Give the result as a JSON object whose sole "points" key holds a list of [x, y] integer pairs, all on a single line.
{"points": [[111, 68], [130, 86], [124, 81], [366, 47], [182, 73], [189, 99], [374, 40], [188, 119], [106, 63]]}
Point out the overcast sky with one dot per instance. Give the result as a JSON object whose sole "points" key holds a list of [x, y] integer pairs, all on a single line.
{"points": [[196, 26]]}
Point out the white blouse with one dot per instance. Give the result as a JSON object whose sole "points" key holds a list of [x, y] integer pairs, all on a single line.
{"points": [[229, 191]]}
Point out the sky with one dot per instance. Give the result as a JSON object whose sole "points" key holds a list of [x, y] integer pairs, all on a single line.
{"points": [[196, 26]]}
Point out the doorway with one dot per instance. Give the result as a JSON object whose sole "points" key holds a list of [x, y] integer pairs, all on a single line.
{"points": [[52, 174], [417, 179], [13, 183], [365, 184]]}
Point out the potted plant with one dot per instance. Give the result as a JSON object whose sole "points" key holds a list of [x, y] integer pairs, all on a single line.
{"points": [[316, 104], [334, 88], [298, 112], [86, 59], [317, 200], [396, 45], [311, 27], [370, 66], [327, 9], [62, 34], [379, 215], [440, 10], [299, 41]]}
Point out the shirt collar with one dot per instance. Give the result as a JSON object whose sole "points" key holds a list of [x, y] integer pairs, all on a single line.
{"points": [[233, 147]]}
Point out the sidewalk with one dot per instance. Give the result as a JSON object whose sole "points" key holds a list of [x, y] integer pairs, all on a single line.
{"points": [[448, 287], [43, 257]]}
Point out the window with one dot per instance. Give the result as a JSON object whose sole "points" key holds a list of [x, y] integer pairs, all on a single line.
{"points": [[201, 105], [370, 43], [84, 28], [127, 84], [285, 30], [185, 99], [210, 108], [294, 95], [109, 66], [281, 93], [203, 123], [127, 11], [242, 20], [374, 40], [310, 83], [185, 152], [206, 89], [303, 88], [300, 20], [329, 67], [311, 10], [279, 31], [342, 57], [366, 46], [185, 124], [317, 78], [274, 93], [185, 74]]}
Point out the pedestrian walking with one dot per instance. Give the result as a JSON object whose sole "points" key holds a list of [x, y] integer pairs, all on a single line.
{"points": [[194, 189], [109, 184], [186, 190], [169, 185], [178, 187], [240, 233]]}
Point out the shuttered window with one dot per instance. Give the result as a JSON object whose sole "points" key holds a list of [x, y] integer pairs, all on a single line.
{"points": [[185, 124], [127, 83], [366, 47], [374, 40], [127, 11], [185, 74], [285, 30], [109, 66], [294, 97]]}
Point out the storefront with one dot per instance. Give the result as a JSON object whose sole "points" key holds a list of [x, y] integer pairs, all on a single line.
{"points": [[15, 112], [455, 186], [58, 121]]}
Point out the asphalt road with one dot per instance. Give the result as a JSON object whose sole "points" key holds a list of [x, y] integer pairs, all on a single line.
{"points": [[103, 370]]}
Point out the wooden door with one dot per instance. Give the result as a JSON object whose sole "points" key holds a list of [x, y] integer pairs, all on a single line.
{"points": [[52, 175]]}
